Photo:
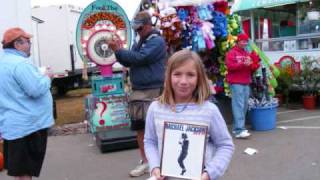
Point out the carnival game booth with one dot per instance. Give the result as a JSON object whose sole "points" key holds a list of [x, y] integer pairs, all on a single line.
{"points": [[209, 28], [107, 107], [206, 27]]}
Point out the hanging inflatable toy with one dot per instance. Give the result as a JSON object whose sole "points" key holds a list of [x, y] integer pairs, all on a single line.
{"points": [[264, 59], [100, 22], [220, 24], [272, 71]]}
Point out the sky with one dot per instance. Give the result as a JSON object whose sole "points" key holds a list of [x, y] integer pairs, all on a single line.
{"points": [[80, 3], [127, 5]]}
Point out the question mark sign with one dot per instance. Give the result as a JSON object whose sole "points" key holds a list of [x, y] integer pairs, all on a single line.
{"points": [[101, 111]]}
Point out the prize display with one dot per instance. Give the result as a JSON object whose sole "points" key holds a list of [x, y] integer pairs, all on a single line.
{"points": [[211, 30]]}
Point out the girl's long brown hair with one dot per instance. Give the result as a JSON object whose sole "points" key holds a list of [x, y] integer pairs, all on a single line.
{"points": [[202, 91]]}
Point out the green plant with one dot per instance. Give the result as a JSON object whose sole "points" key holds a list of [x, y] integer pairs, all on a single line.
{"points": [[309, 77], [285, 81]]}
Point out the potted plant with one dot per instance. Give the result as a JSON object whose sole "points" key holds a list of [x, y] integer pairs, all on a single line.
{"points": [[285, 82], [309, 79]]}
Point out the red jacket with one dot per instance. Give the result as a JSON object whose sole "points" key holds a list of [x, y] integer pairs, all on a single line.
{"points": [[238, 72]]}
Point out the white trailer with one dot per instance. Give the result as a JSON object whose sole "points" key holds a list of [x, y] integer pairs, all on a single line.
{"points": [[57, 46], [282, 28], [17, 13]]}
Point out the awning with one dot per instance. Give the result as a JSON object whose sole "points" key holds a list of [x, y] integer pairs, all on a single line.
{"points": [[241, 5]]}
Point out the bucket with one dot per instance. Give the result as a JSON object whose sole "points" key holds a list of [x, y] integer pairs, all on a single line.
{"points": [[263, 118]]}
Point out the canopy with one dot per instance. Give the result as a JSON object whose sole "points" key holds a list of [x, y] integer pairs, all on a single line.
{"points": [[241, 5], [185, 2]]}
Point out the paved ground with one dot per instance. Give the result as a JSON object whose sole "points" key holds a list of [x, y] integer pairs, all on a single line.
{"points": [[290, 152]]}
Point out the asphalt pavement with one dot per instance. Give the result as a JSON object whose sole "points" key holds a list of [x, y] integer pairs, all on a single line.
{"points": [[289, 152]]}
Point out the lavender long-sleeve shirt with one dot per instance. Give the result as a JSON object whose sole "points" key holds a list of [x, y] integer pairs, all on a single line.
{"points": [[219, 145]]}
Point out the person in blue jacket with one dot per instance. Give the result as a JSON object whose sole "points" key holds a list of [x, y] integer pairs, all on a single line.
{"points": [[25, 107], [146, 61]]}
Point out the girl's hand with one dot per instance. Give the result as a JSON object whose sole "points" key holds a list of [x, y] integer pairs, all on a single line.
{"points": [[156, 173], [205, 176]]}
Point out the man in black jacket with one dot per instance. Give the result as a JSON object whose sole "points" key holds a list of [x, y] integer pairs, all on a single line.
{"points": [[146, 61]]}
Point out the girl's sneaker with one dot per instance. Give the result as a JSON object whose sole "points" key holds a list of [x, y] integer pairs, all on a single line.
{"points": [[140, 170]]}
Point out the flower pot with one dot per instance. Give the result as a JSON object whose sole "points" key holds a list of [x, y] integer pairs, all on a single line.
{"points": [[309, 101]]}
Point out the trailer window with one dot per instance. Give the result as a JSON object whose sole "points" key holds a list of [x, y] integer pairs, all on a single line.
{"points": [[276, 22], [305, 25]]}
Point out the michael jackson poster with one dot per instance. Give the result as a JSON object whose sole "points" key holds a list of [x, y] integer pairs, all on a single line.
{"points": [[183, 150]]}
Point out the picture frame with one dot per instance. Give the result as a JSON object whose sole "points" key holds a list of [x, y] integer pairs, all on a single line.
{"points": [[183, 150]]}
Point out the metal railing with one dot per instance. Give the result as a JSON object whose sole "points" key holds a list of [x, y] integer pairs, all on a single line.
{"points": [[290, 43]]}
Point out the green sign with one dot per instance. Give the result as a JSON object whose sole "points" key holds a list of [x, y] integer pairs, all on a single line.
{"points": [[242, 5]]}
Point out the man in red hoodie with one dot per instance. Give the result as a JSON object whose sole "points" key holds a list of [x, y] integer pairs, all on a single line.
{"points": [[239, 63]]}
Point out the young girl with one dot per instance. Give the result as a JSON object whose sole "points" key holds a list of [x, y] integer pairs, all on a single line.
{"points": [[184, 99]]}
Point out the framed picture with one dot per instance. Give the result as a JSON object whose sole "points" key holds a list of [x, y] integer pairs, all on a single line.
{"points": [[183, 149]]}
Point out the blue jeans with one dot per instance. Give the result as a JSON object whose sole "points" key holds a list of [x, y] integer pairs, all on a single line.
{"points": [[239, 101]]}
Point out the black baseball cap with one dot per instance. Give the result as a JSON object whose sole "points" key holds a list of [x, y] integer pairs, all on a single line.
{"points": [[141, 19]]}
